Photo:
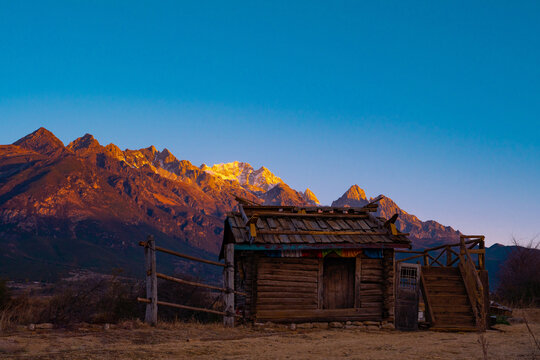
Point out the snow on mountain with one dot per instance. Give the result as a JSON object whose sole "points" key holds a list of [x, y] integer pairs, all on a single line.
{"points": [[244, 174]]}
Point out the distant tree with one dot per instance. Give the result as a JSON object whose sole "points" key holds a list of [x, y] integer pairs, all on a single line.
{"points": [[520, 275]]}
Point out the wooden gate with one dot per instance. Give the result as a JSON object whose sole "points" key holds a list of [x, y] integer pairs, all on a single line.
{"points": [[407, 294]]}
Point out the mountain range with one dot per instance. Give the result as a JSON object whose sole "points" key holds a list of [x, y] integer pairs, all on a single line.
{"points": [[86, 205]]}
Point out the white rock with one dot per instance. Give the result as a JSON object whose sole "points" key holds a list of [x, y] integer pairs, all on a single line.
{"points": [[45, 326]]}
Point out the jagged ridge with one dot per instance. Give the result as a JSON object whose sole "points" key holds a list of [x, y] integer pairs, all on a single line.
{"points": [[91, 195], [423, 233]]}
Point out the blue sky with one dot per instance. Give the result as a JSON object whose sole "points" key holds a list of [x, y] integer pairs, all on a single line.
{"points": [[435, 104]]}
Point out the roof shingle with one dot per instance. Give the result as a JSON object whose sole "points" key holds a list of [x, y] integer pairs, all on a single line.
{"points": [[310, 225]]}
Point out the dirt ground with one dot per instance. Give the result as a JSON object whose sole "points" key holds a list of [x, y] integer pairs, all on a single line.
{"points": [[187, 340]]}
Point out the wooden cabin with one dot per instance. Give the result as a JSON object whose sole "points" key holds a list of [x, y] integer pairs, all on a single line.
{"points": [[311, 264]]}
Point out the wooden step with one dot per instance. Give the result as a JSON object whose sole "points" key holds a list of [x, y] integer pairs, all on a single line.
{"points": [[454, 320], [429, 278], [434, 270], [453, 299], [446, 282], [463, 325], [443, 289], [448, 299], [439, 277], [452, 310], [453, 328], [447, 290]]}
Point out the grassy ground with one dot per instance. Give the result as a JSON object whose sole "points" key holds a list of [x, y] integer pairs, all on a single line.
{"points": [[187, 340]]}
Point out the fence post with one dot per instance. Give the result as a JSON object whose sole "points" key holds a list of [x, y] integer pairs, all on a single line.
{"points": [[448, 256], [151, 281], [228, 284], [482, 256]]}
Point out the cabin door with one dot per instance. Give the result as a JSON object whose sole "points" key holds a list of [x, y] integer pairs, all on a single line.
{"points": [[407, 294], [338, 282]]}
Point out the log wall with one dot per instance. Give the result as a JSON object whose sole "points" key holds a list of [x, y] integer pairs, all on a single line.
{"points": [[389, 266], [287, 284], [372, 287], [244, 280], [290, 289]]}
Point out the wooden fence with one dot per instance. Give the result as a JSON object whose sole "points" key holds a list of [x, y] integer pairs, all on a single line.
{"points": [[152, 275], [450, 254]]}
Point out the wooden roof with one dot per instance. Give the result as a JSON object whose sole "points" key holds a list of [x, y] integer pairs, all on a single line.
{"points": [[280, 225]]}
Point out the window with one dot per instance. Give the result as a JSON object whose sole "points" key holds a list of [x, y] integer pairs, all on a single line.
{"points": [[407, 277]]}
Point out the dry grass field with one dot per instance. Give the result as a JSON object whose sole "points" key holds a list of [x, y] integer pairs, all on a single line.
{"points": [[132, 340]]}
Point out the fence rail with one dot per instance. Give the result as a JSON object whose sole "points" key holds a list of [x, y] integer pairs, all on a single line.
{"points": [[449, 255], [473, 284], [149, 301], [152, 275], [189, 257], [192, 283]]}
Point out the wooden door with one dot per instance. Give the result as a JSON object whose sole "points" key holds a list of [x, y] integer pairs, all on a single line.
{"points": [[338, 283], [407, 295]]}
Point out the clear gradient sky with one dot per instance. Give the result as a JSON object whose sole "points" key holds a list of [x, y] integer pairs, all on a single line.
{"points": [[434, 103]]}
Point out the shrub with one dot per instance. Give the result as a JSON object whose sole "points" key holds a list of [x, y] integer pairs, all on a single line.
{"points": [[187, 295], [94, 300], [104, 299], [22, 310], [520, 276]]}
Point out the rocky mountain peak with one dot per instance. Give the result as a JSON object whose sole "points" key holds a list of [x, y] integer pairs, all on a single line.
{"points": [[353, 197], [309, 196], [114, 151], [41, 141], [423, 233], [388, 207], [355, 192], [264, 179], [86, 143], [166, 157], [282, 194]]}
